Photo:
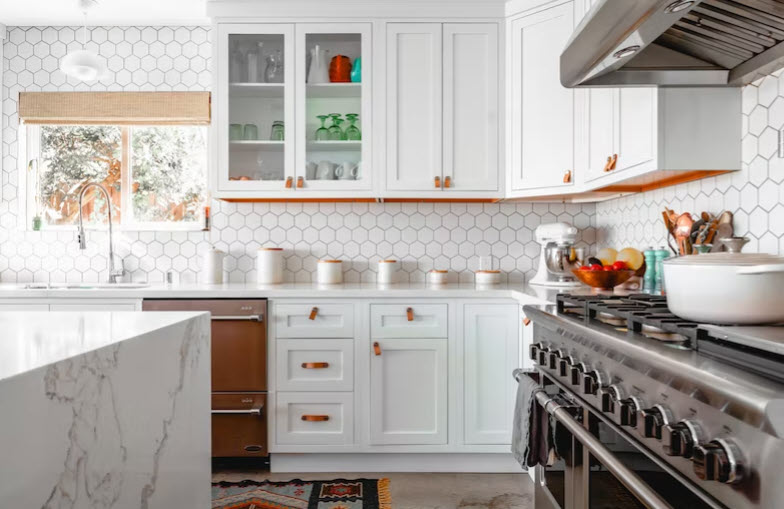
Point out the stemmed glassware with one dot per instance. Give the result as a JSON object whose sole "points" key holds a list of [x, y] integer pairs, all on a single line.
{"points": [[322, 133], [335, 132], [352, 131]]}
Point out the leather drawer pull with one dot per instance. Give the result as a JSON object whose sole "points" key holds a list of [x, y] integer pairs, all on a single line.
{"points": [[300, 182], [438, 182], [315, 365], [526, 321], [313, 313], [289, 182], [376, 348], [410, 314], [614, 161], [447, 182], [315, 418]]}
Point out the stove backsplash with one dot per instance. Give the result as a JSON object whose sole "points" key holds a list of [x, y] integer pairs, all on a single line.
{"points": [[423, 236], [755, 194]]}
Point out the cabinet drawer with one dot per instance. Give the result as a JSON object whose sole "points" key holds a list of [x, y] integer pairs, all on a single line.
{"points": [[314, 320], [319, 418], [239, 425], [408, 321], [315, 364]]}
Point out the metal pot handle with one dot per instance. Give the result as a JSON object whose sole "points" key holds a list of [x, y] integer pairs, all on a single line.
{"points": [[761, 269]]}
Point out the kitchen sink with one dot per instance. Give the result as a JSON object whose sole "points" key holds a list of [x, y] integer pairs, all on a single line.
{"points": [[84, 286]]}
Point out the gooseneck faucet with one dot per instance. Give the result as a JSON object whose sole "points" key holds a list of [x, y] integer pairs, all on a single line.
{"points": [[114, 274]]}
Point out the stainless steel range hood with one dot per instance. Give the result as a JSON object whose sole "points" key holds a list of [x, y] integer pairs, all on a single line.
{"points": [[675, 43]]}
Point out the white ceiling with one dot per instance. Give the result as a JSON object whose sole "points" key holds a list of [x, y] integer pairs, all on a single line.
{"points": [[107, 12]]}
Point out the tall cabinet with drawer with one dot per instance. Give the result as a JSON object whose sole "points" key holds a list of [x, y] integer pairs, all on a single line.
{"points": [[393, 376]]}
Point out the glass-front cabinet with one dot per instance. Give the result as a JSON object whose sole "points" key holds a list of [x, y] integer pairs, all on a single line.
{"points": [[333, 106], [292, 110]]}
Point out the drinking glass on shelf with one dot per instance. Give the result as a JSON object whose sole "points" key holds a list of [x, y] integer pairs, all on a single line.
{"points": [[322, 133], [335, 132], [278, 131], [352, 131], [274, 71], [339, 122], [235, 132], [250, 132]]}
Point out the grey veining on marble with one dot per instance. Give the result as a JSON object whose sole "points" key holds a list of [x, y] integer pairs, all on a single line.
{"points": [[126, 424]]}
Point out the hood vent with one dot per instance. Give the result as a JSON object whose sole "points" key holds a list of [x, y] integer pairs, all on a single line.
{"points": [[675, 43]]}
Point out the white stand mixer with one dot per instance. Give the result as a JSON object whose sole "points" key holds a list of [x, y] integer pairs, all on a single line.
{"points": [[556, 259]]}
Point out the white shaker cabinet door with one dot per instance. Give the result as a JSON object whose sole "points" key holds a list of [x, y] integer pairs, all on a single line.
{"points": [[414, 63], [636, 143], [408, 392], [599, 133], [471, 107], [543, 111], [492, 352]]}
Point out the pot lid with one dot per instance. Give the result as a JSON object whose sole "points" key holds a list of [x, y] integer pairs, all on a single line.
{"points": [[744, 259]]}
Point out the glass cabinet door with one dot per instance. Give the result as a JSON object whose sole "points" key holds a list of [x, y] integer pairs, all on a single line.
{"points": [[333, 106], [256, 110]]}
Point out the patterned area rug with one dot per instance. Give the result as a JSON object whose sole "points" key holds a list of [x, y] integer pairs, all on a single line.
{"points": [[296, 494]]}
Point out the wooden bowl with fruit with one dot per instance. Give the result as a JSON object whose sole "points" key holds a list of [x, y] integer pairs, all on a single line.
{"points": [[610, 268]]}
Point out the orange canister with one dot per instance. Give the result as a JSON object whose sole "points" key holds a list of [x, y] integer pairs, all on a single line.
{"points": [[340, 69]]}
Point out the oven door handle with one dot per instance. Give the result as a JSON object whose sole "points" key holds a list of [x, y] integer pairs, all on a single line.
{"points": [[627, 477], [249, 411], [242, 318]]}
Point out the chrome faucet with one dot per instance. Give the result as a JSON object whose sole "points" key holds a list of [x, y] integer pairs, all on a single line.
{"points": [[115, 275]]}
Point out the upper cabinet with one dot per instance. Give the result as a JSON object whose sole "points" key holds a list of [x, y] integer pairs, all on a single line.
{"points": [[442, 109], [542, 155]]}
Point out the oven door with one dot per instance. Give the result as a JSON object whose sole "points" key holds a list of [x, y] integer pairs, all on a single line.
{"points": [[598, 467]]}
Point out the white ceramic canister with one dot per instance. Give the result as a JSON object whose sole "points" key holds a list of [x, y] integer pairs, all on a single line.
{"points": [[437, 277], [329, 272], [269, 265], [487, 277], [387, 272], [212, 267]]}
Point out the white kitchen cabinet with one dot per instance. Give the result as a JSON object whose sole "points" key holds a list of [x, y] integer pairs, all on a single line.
{"points": [[543, 114], [319, 418], [408, 320], [414, 102], [315, 364], [408, 392], [491, 353], [249, 163], [313, 320], [442, 114], [471, 112]]}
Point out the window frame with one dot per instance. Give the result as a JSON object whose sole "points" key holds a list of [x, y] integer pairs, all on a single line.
{"points": [[30, 139]]}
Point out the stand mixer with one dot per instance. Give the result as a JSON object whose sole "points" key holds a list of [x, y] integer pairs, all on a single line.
{"points": [[558, 256]]}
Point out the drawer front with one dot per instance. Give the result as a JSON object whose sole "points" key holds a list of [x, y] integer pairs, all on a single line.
{"points": [[408, 321], [321, 418], [315, 364], [239, 425], [239, 356], [314, 320]]}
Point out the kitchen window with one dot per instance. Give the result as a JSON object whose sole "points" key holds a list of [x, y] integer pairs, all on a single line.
{"points": [[152, 163]]}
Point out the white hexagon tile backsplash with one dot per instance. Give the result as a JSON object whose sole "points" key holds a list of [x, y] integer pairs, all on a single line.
{"points": [[755, 194], [422, 236]]}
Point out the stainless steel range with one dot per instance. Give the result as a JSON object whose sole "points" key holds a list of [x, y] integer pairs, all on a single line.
{"points": [[657, 412]]}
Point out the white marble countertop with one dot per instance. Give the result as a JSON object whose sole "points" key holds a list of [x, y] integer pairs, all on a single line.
{"points": [[524, 293], [33, 339]]}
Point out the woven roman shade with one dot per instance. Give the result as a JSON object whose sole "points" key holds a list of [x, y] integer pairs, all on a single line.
{"points": [[116, 108]]}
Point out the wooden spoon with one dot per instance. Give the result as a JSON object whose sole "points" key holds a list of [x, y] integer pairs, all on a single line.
{"points": [[683, 228]]}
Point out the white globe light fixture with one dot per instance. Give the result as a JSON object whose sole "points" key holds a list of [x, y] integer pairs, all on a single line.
{"points": [[83, 64]]}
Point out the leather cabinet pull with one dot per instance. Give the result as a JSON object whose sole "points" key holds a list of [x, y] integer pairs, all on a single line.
{"points": [[315, 365], [315, 418], [410, 314], [313, 313], [376, 348]]}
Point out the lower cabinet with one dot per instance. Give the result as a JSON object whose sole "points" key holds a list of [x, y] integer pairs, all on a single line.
{"points": [[408, 392], [322, 418], [491, 352]]}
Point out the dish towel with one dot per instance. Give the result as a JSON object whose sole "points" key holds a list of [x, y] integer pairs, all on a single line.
{"points": [[526, 421]]}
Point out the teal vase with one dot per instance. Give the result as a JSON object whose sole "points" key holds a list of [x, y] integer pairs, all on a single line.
{"points": [[356, 71]]}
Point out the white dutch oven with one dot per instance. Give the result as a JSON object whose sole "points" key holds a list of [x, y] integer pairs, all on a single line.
{"points": [[726, 288]]}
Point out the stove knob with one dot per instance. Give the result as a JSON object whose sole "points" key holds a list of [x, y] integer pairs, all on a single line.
{"points": [[629, 408], [565, 365], [592, 381], [611, 396], [653, 420], [543, 356], [534, 352], [718, 460], [554, 357], [680, 439], [577, 373]]}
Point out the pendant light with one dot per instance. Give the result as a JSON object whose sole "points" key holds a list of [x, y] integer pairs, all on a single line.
{"points": [[83, 64]]}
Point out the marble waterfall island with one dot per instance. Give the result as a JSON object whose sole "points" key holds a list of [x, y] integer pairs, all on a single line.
{"points": [[104, 410]]}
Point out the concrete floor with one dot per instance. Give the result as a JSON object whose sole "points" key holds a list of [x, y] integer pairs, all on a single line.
{"points": [[425, 491]]}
